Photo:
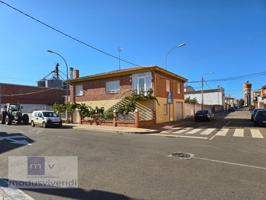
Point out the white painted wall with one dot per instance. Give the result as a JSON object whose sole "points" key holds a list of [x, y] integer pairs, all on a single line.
{"points": [[211, 98]]}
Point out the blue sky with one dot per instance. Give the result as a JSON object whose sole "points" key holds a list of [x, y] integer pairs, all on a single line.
{"points": [[225, 37]]}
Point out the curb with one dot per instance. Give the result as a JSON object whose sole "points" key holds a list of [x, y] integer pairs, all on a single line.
{"points": [[115, 131], [7, 193]]}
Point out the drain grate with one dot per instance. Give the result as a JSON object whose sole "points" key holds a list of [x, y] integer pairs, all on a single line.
{"points": [[182, 155]]}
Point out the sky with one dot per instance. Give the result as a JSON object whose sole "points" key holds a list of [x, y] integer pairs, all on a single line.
{"points": [[224, 38]]}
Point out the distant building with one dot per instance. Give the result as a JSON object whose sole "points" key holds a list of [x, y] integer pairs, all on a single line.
{"points": [[50, 90], [259, 97], [231, 102], [189, 89], [213, 97], [247, 93], [30, 97]]}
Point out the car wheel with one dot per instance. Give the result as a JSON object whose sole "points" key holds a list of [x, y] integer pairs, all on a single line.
{"points": [[32, 124], [60, 125], [44, 125], [8, 120]]}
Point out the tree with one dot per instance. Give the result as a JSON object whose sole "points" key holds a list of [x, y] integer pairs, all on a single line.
{"points": [[70, 108], [59, 108], [191, 101]]}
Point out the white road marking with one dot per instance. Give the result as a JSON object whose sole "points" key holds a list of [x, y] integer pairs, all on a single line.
{"points": [[178, 136], [256, 133], [193, 131], [182, 130], [222, 132], [208, 131], [230, 163], [239, 132]]}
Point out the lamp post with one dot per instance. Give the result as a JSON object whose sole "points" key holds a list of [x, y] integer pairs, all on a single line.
{"points": [[50, 51], [166, 57]]}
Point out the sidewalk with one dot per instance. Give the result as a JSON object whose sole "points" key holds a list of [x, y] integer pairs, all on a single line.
{"points": [[112, 129]]}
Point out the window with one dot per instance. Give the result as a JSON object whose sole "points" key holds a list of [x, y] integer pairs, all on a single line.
{"points": [[142, 82], [113, 87], [178, 88], [79, 90], [165, 109], [167, 85]]}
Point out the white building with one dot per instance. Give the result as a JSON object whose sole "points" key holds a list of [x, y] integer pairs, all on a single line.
{"points": [[213, 97]]}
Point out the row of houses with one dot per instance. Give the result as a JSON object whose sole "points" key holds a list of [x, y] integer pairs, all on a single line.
{"points": [[259, 97], [110, 89]]}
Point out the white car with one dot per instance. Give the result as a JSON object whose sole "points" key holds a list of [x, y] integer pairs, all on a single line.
{"points": [[45, 118]]}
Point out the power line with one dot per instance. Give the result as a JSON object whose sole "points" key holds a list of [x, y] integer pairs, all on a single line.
{"points": [[232, 78], [67, 35], [29, 93]]}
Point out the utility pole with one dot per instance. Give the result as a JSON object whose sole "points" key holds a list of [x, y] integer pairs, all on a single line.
{"points": [[202, 95]]}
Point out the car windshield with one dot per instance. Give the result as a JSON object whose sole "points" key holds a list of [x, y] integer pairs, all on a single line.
{"points": [[13, 107], [202, 112], [49, 114]]}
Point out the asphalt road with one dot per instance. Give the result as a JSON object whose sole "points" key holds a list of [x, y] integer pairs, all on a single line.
{"points": [[128, 166]]}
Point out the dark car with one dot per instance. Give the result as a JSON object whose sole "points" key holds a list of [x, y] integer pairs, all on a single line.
{"points": [[260, 118], [231, 109], [204, 115], [253, 113]]}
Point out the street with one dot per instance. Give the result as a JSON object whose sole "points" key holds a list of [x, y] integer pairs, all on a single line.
{"points": [[228, 160]]}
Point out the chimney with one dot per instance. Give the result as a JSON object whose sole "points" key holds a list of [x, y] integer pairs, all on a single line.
{"points": [[75, 73], [71, 73]]}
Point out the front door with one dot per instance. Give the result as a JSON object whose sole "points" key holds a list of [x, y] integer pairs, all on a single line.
{"points": [[179, 111]]}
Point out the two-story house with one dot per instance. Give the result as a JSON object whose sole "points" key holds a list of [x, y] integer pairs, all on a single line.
{"points": [[107, 89]]}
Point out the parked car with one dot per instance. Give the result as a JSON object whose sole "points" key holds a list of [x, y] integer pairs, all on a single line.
{"points": [[204, 115], [231, 109], [253, 113], [260, 118], [45, 119]]}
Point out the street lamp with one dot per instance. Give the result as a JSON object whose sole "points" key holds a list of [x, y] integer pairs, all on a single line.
{"points": [[178, 46], [50, 51]]}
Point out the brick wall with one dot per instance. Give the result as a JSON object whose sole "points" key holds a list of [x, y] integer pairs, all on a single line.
{"points": [[96, 89], [160, 86], [46, 96]]}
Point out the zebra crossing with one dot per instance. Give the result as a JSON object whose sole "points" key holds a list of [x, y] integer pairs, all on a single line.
{"points": [[216, 132]]}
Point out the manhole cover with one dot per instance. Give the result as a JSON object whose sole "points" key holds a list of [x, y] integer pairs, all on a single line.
{"points": [[182, 155]]}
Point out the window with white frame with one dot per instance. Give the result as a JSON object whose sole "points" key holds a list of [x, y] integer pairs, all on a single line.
{"points": [[178, 87], [113, 86], [79, 90], [142, 82]]}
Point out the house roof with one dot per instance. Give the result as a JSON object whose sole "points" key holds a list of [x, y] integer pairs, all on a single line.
{"points": [[127, 71]]}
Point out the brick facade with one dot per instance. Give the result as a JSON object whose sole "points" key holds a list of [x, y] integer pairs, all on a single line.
{"points": [[96, 89], [160, 86], [40, 95]]}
